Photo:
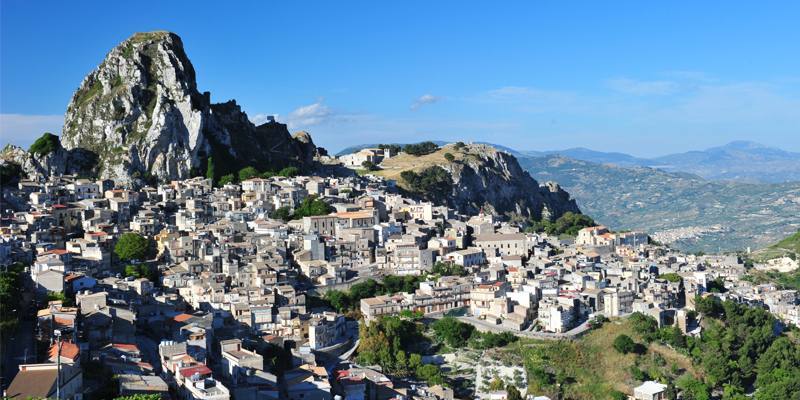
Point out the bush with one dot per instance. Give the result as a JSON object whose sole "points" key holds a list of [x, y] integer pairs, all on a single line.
{"points": [[283, 214], [431, 374], [45, 144], [226, 179], [452, 331], [434, 181], [448, 269], [420, 149], [210, 168], [289, 172], [248, 173], [369, 166], [449, 157], [568, 224], [132, 246], [624, 344], [310, 207]]}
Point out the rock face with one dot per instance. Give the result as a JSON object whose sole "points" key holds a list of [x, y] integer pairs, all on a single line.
{"points": [[140, 112], [493, 181], [477, 177], [60, 161]]}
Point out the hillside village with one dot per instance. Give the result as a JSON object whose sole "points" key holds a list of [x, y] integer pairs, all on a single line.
{"points": [[195, 291]]}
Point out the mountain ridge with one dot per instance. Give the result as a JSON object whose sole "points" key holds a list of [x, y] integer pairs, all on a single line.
{"points": [[743, 161], [140, 115]]}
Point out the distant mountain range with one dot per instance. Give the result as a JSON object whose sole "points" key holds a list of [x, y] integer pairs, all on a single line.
{"points": [[739, 161], [682, 209], [699, 206]]}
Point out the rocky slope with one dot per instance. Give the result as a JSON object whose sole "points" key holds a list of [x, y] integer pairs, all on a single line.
{"points": [[140, 113], [481, 178]]}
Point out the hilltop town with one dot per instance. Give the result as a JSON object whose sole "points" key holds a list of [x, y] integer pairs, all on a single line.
{"points": [[274, 286]]}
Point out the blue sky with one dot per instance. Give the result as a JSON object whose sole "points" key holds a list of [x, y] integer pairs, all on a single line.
{"points": [[638, 77]]}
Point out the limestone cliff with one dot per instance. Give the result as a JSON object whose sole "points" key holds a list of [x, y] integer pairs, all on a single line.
{"points": [[479, 177], [140, 112]]}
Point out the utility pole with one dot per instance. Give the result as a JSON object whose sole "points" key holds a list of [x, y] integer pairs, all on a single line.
{"points": [[57, 333]]}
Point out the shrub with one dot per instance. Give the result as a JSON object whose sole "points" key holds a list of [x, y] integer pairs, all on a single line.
{"points": [[624, 344], [226, 179], [568, 224], [45, 144], [247, 173], [421, 149], [310, 207], [210, 169], [132, 246], [449, 157], [369, 166], [289, 172]]}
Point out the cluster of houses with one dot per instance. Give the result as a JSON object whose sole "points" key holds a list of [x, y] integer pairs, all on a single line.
{"points": [[230, 312]]}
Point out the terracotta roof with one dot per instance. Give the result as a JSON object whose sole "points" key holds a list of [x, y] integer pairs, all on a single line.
{"points": [[59, 252], [68, 350], [125, 346], [200, 369], [181, 317], [63, 322]]}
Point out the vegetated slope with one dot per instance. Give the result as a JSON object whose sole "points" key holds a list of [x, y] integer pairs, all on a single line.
{"points": [[679, 208], [479, 177], [788, 247], [590, 367]]}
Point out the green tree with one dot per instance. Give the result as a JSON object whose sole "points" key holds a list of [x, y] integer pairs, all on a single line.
{"points": [[338, 299], [226, 179], [420, 149], [430, 374], [369, 165], [282, 213], [452, 331], [310, 207], [248, 173], [289, 172], [132, 246], [624, 344], [45, 144], [210, 169]]}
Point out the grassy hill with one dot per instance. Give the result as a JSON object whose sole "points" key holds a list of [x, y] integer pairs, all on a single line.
{"points": [[393, 167], [590, 368], [788, 247]]}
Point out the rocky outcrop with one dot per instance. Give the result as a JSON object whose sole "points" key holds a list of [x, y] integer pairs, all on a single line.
{"points": [[493, 181], [141, 113], [481, 178], [59, 161]]}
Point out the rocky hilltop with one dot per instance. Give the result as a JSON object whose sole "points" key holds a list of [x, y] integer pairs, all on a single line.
{"points": [[140, 115], [476, 177]]}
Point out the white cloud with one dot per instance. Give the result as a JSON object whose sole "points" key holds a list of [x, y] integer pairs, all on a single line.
{"points": [[642, 88], [261, 118], [423, 100], [23, 129], [313, 114]]}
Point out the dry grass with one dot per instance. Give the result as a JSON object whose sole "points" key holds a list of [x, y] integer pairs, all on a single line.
{"points": [[392, 167], [594, 369]]}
